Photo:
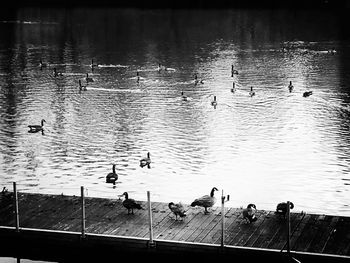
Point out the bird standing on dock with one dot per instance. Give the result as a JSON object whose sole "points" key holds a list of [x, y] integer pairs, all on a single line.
{"points": [[249, 213], [88, 79], [233, 71], [112, 177], [233, 90], [146, 161], [177, 209], [130, 204], [183, 96], [214, 102], [281, 208], [307, 93], [206, 200], [290, 86], [251, 92], [36, 128]]}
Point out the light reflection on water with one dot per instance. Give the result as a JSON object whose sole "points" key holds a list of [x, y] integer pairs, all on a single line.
{"points": [[272, 147]]}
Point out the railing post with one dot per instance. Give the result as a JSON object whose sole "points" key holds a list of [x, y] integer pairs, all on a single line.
{"points": [[222, 219], [288, 227], [82, 212], [151, 242], [16, 206]]}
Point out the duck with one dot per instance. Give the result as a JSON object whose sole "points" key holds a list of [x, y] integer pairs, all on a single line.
{"points": [[36, 128], [88, 79], [249, 213], [307, 93], [251, 92], [183, 96], [206, 200], [146, 161], [233, 90], [214, 102], [130, 204], [112, 177], [233, 71], [161, 67], [196, 80], [42, 64], [290, 86], [281, 208], [81, 87], [56, 74], [177, 209]]}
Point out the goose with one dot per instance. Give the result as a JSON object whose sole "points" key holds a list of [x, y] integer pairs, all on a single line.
{"points": [[290, 86], [146, 161], [214, 102], [281, 208], [56, 74], [206, 200], [251, 92], [112, 177], [92, 65], [307, 93], [43, 65], [161, 67], [249, 213], [177, 209], [130, 204], [183, 96], [233, 71], [88, 79], [233, 87], [196, 80], [81, 87], [36, 128]]}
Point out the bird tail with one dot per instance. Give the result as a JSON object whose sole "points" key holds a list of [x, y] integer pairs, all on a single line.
{"points": [[182, 214], [138, 206], [252, 218]]}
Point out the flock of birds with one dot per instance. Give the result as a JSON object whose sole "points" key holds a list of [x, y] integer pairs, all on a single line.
{"points": [[206, 201]]}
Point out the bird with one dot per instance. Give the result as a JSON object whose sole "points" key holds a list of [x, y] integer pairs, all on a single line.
{"points": [[56, 74], [307, 93], [92, 65], [130, 204], [233, 71], [233, 87], [42, 64], [251, 92], [112, 177], [81, 87], [177, 209], [214, 102], [146, 161], [206, 200], [290, 86], [281, 208], [196, 80], [161, 67], [88, 79], [183, 96], [249, 213], [36, 128]]}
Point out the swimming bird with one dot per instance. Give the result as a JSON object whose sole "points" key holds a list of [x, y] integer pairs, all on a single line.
{"points": [[307, 93], [281, 208], [290, 86], [251, 92], [92, 65], [161, 67], [81, 87], [214, 102], [146, 161], [36, 128], [233, 87], [177, 209], [112, 177], [130, 204], [88, 79], [56, 74], [183, 96], [206, 200], [249, 213], [233, 71], [196, 80]]}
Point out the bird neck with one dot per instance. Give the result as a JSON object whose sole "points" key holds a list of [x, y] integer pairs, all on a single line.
{"points": [[212, 193], [114, 168], [126, 196]]}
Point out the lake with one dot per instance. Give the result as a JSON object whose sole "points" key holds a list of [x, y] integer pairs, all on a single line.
{"points": [[263, 149]]}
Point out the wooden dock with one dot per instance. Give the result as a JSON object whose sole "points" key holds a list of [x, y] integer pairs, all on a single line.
{"points": [[57, 220]]}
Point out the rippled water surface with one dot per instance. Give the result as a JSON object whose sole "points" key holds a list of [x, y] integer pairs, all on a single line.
{"points": [[272, 147]]}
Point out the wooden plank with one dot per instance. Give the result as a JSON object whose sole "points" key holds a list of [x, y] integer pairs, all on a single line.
{"points": [[307, 234], [340, 238], [204, 235], [233, 225]]}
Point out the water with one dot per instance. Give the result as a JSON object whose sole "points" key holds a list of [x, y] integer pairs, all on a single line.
{"points": [[273, 147]]}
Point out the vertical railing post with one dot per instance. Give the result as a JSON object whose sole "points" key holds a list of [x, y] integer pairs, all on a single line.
{"points": [[82, 212], [16, 206], [288, 227], [222, 219], [151, 242]]}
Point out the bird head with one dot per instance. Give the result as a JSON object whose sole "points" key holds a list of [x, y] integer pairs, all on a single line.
{"points": [[251, 205], [170, 204]]}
